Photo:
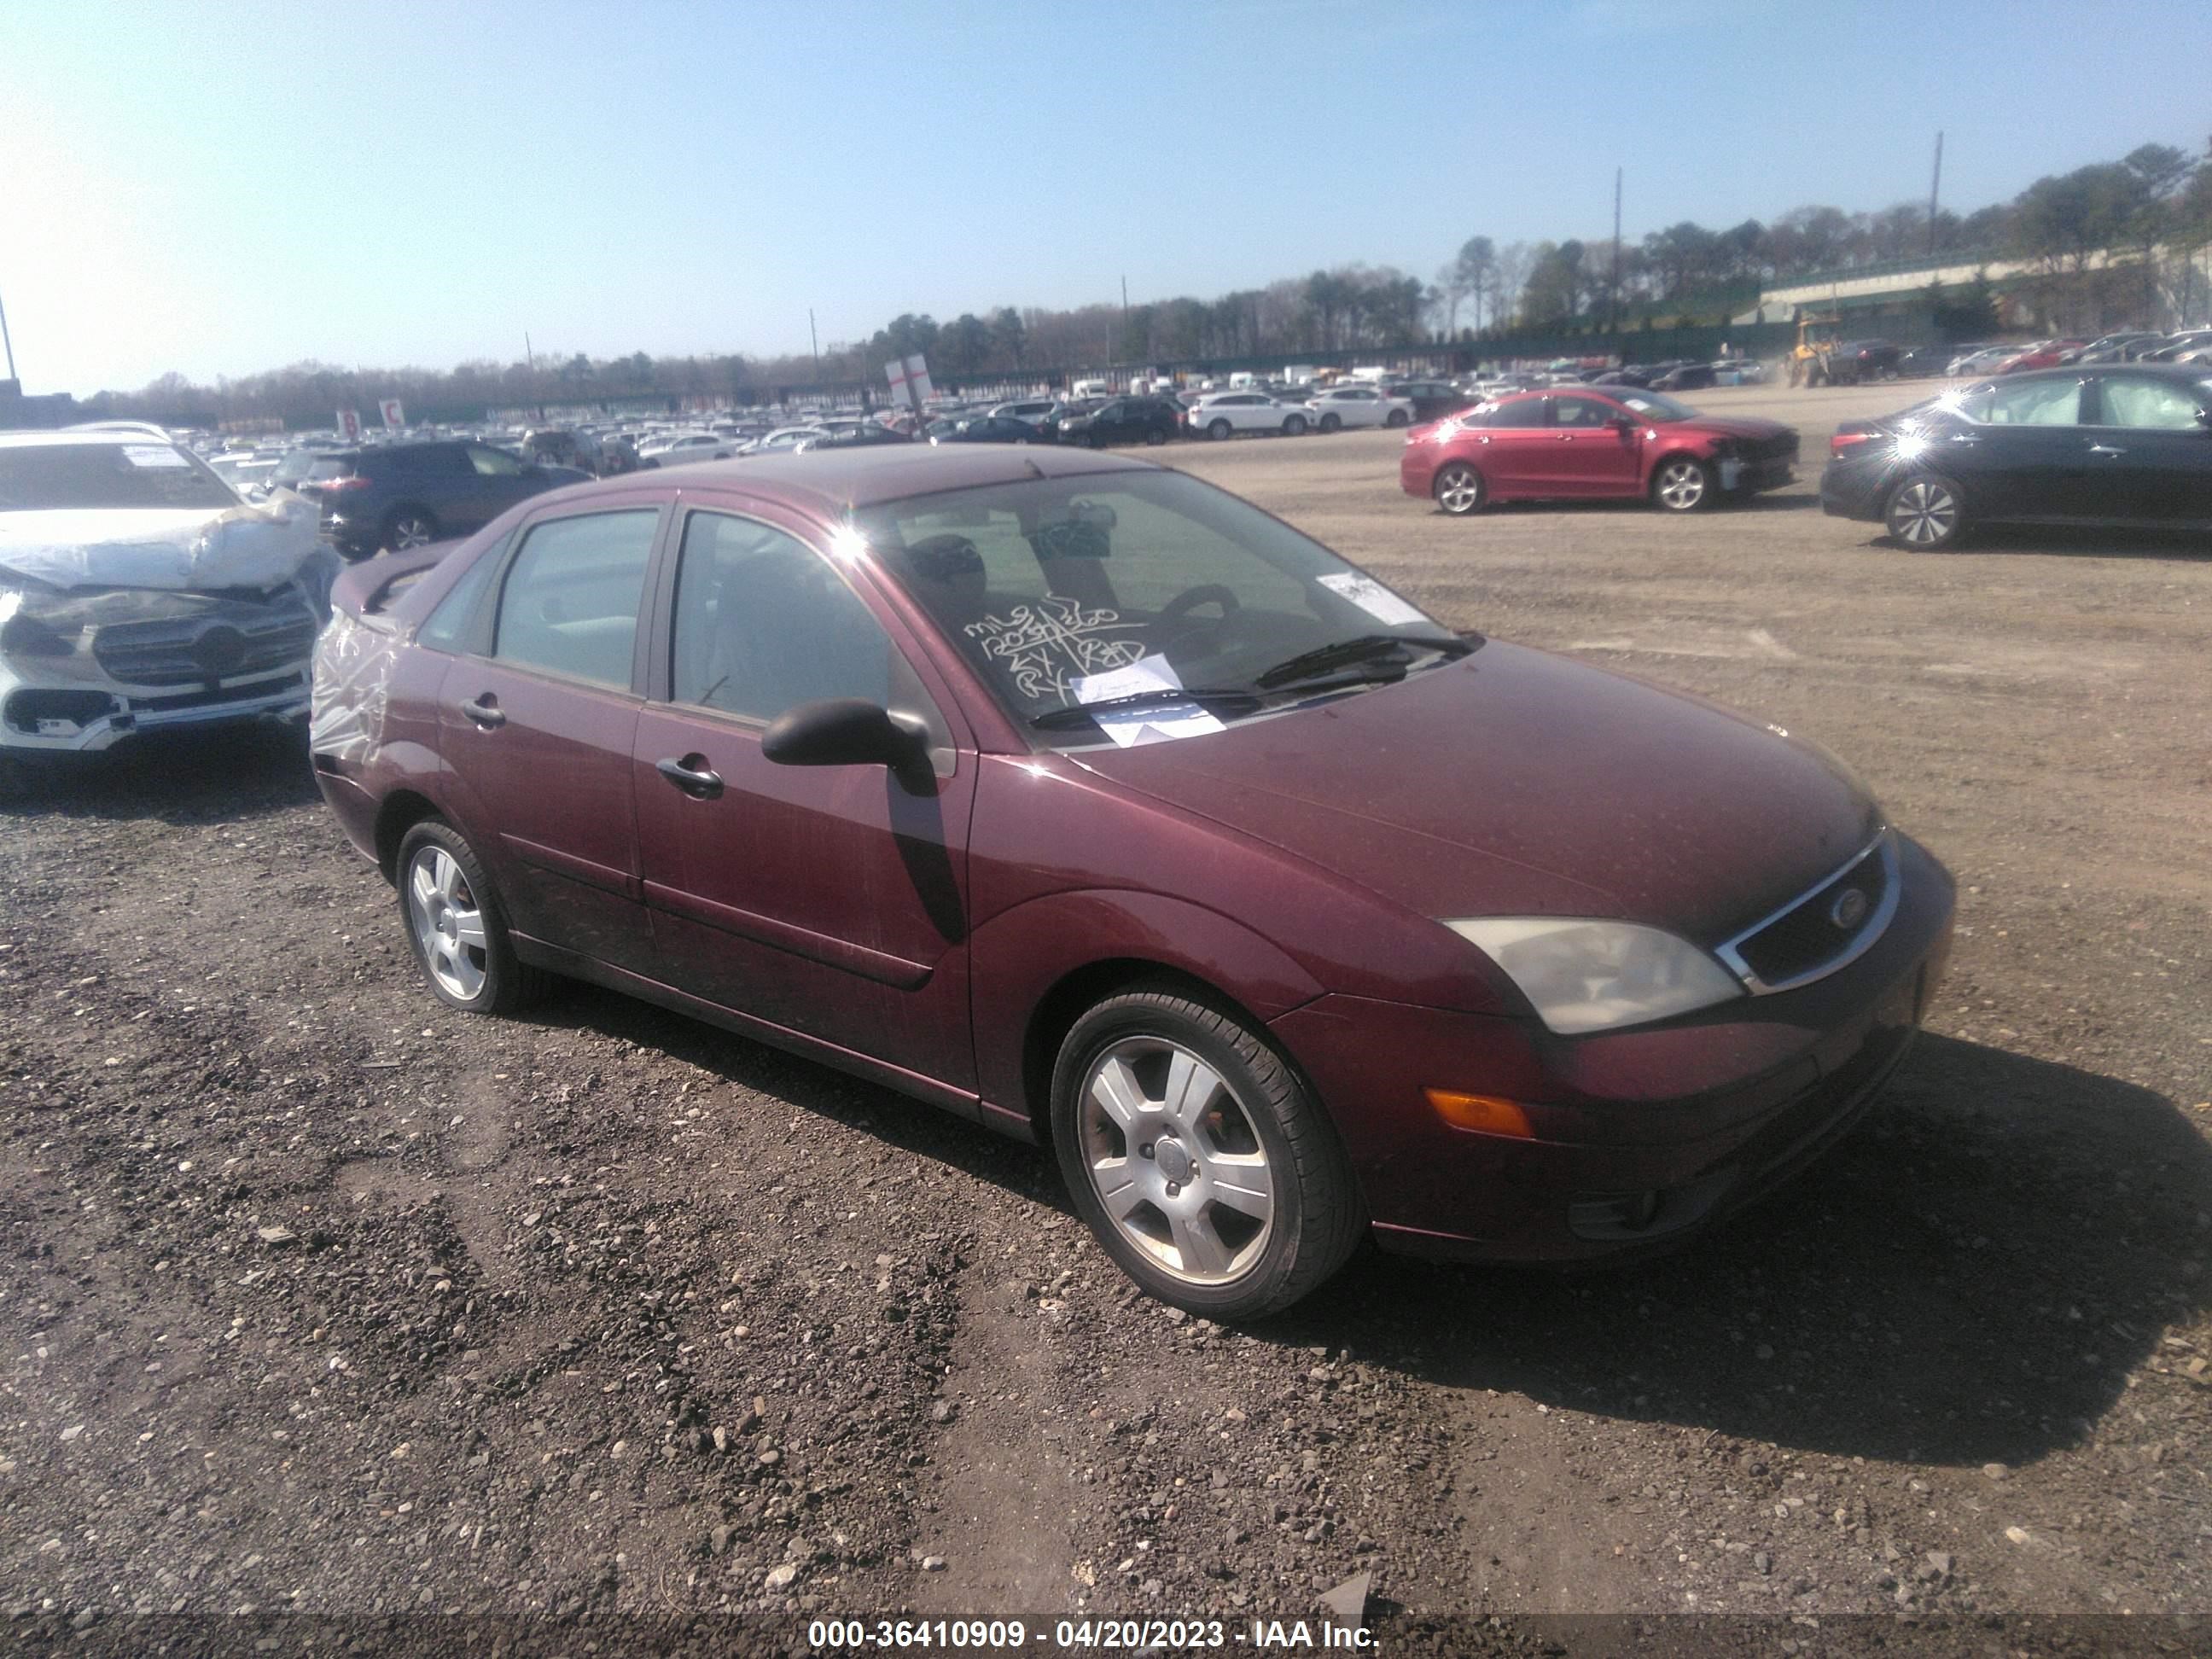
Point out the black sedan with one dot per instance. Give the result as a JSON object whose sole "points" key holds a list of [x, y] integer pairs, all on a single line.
{"points": [[1858, 362], [2127, 445], [1684, 377], [1431, 400], [993, 430]]}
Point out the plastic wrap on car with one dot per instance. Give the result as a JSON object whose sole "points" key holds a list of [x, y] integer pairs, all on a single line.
{"points": [[353, 681], [255, 544]]}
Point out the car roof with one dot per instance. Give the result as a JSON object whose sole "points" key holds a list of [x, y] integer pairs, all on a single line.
{"points": [[828, 482], [84, 436]]}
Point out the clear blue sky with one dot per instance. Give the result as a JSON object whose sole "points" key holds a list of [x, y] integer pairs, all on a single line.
{"points": [[222, 187]]}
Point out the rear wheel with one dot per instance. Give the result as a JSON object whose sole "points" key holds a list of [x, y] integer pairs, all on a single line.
{"points": [[1156, 436], [1459, 489], [1398, 418], [1196, 1155], [1683, 484], [1926, 515], [409, 527], [456, 926], [1219, 431]]}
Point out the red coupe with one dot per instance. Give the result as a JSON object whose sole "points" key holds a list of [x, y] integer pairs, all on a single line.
{"points": [[1079, 797], [1609, 441]]}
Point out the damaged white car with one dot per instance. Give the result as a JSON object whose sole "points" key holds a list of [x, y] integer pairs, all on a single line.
{"points": [[139, 591]]}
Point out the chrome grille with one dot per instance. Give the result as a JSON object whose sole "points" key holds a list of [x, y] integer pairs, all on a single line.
{"points": [[1820, 931], [231, 638]]}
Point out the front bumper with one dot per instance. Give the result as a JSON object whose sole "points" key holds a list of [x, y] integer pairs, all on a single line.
{"points": [[73, 718], [1640, 1137]]}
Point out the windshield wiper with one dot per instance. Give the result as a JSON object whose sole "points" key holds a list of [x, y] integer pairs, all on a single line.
{"points": [[1159, 696], [1365, 648]]}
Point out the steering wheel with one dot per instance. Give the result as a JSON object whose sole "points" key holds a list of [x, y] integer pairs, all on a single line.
{"points": [[1187, 601]]}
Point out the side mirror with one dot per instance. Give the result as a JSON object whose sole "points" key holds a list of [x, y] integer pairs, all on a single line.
{"points": [[844, 732], [1623, 423]]}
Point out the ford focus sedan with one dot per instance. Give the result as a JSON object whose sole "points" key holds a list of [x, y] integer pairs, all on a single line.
{"points": [[1597, 442], [1080, 799]]}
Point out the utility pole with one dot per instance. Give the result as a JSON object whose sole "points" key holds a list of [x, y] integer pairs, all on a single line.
{"points": [[1612, 302], [1934, 188], [814, 341], [1125, 314], [6, 341]]}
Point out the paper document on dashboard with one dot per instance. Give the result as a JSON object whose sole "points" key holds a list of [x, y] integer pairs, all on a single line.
{"points": [[1160, 722]]}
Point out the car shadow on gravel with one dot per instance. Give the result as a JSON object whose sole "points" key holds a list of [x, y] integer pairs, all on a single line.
{"points": [[1637, 506], [178, 778], [1970, 1277], [2061, 544]]}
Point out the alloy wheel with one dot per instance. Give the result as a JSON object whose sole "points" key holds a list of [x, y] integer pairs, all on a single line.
{"points": [[1924, 513], [1459, 489], [1682, 485], [447, 922], [409, 529], [1175, 1160]]}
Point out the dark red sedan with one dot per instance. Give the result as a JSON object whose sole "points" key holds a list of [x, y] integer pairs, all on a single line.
{"points": [[1074, 796], [1592, 443]]}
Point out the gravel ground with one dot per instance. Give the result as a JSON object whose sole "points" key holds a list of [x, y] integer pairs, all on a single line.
{"points": [[319, 1300]]}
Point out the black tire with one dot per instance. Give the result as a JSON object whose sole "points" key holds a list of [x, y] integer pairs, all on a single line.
{"points": [[1330, 422], [1219, 431], [1674, 489], [1926, 513], [1398, 418], [1317, 1219], [1455, 480], [1156, 436], [1295, 427], [507, 983], [409, 527]]}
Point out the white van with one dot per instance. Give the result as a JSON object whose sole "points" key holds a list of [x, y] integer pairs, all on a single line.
{"points": [[1092, 389]]}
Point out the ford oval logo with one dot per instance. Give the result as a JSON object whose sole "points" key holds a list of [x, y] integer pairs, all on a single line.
{"points": [[1849, 909]]}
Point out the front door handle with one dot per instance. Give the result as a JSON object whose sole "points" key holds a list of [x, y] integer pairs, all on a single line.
{"points": [[2106, 449], [485, 712], [692, 776]]}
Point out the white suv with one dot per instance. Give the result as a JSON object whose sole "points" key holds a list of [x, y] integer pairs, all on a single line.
{"points": [[1226, 413], [139, 591], [1358, 405]]}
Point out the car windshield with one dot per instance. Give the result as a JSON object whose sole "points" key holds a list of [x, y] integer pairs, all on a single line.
{"points": [[1654, 406], [1064, 592], [36, 477]]}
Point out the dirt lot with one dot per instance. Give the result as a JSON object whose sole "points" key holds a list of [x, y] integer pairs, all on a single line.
{"points": [[318, 1299]]}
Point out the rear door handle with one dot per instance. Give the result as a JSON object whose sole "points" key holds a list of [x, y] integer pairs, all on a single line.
{"points": [[692, 776], [485, 712], [2106, 449]]}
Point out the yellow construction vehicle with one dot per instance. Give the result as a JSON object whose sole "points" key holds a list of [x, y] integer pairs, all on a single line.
{"points": [[1816, 338]]}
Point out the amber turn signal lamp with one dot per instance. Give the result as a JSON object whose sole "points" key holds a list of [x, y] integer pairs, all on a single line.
{"points": [[1492, 1115]]}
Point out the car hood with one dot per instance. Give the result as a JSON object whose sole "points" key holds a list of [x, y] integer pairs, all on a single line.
{"points": [[1514, 782], [254, 545], [1739, 426]]}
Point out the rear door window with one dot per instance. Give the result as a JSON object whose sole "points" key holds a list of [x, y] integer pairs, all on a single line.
{"points": [[570, 603], [2142, 402]]}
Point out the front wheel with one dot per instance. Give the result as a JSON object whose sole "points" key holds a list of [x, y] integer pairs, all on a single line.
{"points": [[1683, 485], [455, 925], [1218, 431], [1295, 427], [1459, 489], [1926, 515], [1198, 1158]]}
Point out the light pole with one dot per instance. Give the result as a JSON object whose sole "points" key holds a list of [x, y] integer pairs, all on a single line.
{"points": [[7, 341]]}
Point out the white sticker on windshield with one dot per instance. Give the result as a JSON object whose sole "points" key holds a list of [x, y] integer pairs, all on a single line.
{"points": [[1370, 596], [152, 455], [1155, 723]]}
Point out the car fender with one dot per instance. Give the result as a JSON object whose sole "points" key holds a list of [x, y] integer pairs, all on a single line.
{"points": [[1021, 956]]}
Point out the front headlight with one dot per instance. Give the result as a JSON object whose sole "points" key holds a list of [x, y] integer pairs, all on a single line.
{"points": [[1586, 975]]}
